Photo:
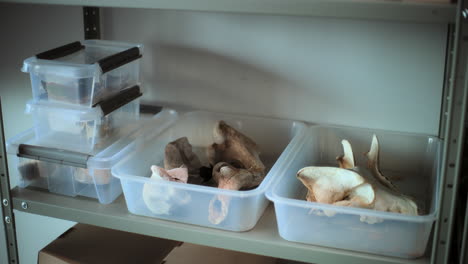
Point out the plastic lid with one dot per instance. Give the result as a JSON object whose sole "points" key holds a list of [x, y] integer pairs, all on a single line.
{"points": [[110, 44], [59, 68], [73, 65], [82, 112]]}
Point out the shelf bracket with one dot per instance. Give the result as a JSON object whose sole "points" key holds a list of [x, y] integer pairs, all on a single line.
{"points": [[92, 22], [6, 199], [453, 134]]}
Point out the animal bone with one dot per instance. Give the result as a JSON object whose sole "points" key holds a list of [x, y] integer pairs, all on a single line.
{"points": [[373, 164], [31, 170], [100, 176], [179, 153], [388, 197], [335, 185], [180, 165], [237, 149], [350, 185], [229, 178], [160, 199], [361, 196], [346, 161], [237, 165], [176, 175]]}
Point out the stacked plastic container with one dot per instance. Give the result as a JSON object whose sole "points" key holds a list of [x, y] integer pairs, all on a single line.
{"points": [[84, 95], [85, 105]]}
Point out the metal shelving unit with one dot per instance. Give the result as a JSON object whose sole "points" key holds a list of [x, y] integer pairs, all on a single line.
{"points": [[264, 238]]}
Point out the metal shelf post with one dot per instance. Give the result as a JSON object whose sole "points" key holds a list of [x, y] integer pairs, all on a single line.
{"points": [[456, 101], [7, 202], [92, 22]]}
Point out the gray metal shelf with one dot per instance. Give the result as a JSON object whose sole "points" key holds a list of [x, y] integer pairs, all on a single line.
{"points": [[263, 239], [405, 10]]}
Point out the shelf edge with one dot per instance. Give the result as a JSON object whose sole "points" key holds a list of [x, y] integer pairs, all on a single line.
{"points": [[407, 11], [262, 240]]}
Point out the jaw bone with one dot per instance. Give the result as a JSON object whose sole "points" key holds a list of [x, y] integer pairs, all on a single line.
{"points": [[336, 186], [354, 186]]}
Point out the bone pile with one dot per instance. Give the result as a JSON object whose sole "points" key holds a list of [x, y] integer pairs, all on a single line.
{"points": [[354, 186], [237, 166], [234, 164]]}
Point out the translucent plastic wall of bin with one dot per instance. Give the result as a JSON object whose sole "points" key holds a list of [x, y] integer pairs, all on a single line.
{"points": [[80, 129], [95, 180], [78, 78], [410, 160], [189, 203]]}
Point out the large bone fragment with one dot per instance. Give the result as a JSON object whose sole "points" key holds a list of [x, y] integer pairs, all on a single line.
{"points": [[161, 199], [346, 161], [179, 154], [229, 177], [237, 165], [237, 149], [180, 165], [373, 164], [322, 183], [354, 186]]}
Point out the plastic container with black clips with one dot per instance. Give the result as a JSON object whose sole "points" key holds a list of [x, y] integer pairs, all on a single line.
{"points": [[71, 173], [84, 73], [83, 129], [411, 160]]}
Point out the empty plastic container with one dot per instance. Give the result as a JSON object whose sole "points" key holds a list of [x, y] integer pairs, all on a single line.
{"points": [[411, 160], [189, 203], [84, 129], [71, 173], [84, 74]]}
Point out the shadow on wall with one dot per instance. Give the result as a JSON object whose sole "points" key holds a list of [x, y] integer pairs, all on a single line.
{"points": [[207, 80]]}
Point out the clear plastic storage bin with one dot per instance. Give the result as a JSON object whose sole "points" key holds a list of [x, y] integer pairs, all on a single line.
{"points": [[189, 203], [70, 173], [83, 129], [411, 160], [84, 74]]}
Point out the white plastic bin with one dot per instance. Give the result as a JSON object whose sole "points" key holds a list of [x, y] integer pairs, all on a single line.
{"points": [[84, 74], [81, 129], [189, 203], [71, 173], [411, 159]]}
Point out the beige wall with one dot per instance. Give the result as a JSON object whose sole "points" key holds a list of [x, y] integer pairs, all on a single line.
{"points": [[373, 74]]}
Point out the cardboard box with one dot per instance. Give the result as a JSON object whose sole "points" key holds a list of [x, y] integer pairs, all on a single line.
{"points": [[196, 254], [91, 244]]}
